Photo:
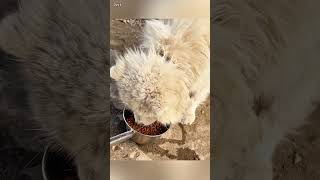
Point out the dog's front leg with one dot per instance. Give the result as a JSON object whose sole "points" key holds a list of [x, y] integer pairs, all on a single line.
{"points": [[196, 97]]}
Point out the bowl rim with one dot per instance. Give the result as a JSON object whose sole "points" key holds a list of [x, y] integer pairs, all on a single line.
{"points": [[125, 120]]}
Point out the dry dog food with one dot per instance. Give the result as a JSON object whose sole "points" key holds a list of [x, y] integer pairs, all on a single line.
{"points": [[153, 129]]}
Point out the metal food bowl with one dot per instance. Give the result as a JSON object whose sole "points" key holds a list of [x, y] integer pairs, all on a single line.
{"points": [[134, 135]]}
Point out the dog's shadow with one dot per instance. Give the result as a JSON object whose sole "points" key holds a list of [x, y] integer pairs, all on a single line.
{"points": [[182, 153]]}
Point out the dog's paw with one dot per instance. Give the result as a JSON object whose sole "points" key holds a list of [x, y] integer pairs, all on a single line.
{"points": [[189, 118]]}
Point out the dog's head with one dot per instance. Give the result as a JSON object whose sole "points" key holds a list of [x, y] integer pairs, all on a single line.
{"points": [[151, 87]]}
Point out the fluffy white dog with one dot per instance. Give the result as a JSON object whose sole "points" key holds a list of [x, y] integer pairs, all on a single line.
{"points": [[169, 75]]}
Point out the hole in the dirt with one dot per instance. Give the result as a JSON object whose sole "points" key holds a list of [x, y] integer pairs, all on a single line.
{"points": [[187, 154]]}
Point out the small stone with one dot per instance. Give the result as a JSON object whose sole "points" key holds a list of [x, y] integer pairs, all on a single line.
{"points": [[125, 156], [143, 157], [201, 157], [126, 21], [134, 155], [115, 148], [297, 158], [202, 112]]}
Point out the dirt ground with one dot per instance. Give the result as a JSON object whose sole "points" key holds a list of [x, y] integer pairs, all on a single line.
{"points": [[181, 142]]}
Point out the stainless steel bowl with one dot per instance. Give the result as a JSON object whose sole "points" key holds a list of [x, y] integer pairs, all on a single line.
{"points": [[134, 135]]}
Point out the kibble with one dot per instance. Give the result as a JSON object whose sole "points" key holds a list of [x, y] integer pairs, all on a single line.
{"points": [[153, 129]]}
